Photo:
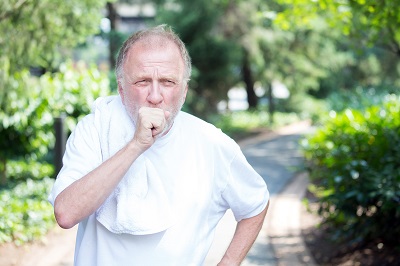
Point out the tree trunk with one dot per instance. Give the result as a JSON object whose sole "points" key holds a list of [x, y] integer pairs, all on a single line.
{"points": [[271, 105], [112, 16], [3, 171], [249, 81]]}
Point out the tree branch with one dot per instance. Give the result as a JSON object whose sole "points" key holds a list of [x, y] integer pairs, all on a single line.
{"points": [[395, 43], [15, 8]]}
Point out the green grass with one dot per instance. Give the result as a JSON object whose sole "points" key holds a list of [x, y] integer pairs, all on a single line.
{"points": [[243, 123]]}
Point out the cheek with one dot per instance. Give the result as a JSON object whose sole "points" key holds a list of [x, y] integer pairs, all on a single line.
{"points": [[176, 97], [128, 99], [133, 96]]}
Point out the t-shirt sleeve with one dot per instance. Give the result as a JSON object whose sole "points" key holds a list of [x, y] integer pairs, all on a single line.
{"points": [[246, 192], [82, 154]]}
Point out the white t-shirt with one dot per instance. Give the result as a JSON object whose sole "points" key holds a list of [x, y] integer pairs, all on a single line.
{"points": [[204, 173]]}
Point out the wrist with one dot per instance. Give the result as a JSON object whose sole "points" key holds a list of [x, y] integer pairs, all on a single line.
{"points": [[135, 148], [225, 261]]}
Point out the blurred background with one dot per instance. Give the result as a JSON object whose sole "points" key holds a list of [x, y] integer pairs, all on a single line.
{"points": [[257, 65]]}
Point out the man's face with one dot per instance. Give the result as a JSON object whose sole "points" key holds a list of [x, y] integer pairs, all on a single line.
{"points": [[153, 77]]}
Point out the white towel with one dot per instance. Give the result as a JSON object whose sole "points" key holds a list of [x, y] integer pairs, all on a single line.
{"points": [[139, 204]]}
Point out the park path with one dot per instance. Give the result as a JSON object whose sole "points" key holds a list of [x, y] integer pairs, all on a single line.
{"points": [[276, 157]]}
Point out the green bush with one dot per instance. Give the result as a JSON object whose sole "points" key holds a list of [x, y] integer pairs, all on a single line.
{"points": [[19, 109], [360, 98], [72, 91], [18, 171], [27, 112], [27, 115], [25, 214], [354, 162]]}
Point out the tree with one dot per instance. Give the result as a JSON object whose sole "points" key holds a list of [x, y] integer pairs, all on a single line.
{"points": [[214, 58], [112, 15], [376, 22], [366, 34], [116, 38], [26, 129], [299, 58], [33, 33], [306, 57], [239, 26]]}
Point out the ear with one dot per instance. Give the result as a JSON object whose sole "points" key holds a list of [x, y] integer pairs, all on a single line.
{"points": [[185, 90], [120, 89]]}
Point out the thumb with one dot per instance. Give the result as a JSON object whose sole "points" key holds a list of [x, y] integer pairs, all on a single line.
{"points": [[167, 114]]}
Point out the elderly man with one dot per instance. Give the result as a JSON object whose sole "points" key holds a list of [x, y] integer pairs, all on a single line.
{"points": [[148, 183]]}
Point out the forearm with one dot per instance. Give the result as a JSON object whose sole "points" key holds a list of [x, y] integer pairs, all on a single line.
{"points": [[85, 196], [244, 237]]}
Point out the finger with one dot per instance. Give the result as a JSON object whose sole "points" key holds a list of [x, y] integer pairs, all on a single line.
{"points": [[150, 117], [158, 126]]}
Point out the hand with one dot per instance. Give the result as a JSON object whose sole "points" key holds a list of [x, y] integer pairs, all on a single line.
{"points": [[150, 124]]}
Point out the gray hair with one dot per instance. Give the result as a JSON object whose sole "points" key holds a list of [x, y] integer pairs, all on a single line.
{"points": [[163, 31]]}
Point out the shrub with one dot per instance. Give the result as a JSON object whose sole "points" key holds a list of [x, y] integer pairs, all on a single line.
{"points": [[18, 171], [72, 90], [360, 98], [25, 213], [27, 115], [27, 110], [19, 112], [354, 162]]}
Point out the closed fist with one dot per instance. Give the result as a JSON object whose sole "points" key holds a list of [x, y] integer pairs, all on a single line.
{"points": [[150, 124]]}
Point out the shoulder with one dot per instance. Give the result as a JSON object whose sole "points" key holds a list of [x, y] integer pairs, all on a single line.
{"points": [[205, 132], [100, 109], [106, 104], [195, 125]]}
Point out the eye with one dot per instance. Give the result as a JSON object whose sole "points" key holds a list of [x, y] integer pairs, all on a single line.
{"points": [[168, 83], [142, 82]]}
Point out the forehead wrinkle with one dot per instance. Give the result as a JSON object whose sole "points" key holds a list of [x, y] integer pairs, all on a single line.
{"points": [[153, 73], [156, 44]]}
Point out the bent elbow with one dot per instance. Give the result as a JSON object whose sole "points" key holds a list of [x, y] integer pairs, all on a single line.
{"points": [[63, 217], [64, 223]]}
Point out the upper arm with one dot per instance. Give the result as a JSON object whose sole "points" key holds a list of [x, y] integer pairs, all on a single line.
{"points": [[82, 154], [246, 192]]}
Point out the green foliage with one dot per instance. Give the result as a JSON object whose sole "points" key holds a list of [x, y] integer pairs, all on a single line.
{"points": [[20, 114], [34, 31], [26, 130], [25, 213], [242, 123], [19, 171], [305, 106], [354, 162], [27, 115], [213, 56], [72, 90], [359, 98], [380, 22], [34, 34]]}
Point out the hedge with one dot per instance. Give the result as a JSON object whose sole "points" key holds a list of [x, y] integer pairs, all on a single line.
{"points": [[354, 165]]}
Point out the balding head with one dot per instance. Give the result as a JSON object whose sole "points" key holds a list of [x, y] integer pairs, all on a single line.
{"points": [[160, 36]]}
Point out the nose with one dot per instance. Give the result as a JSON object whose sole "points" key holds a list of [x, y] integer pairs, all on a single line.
{"points": [[155, 94]]}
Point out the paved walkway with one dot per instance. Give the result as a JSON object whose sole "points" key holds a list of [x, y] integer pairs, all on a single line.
{"points": [[277, 158]]}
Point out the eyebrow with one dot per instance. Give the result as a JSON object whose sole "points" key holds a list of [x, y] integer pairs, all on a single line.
{"points": [[147, 76]]}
